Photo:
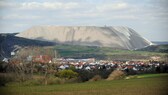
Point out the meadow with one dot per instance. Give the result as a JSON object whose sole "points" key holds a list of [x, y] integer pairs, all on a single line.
{"points": [[148, 84], [74, 51]]}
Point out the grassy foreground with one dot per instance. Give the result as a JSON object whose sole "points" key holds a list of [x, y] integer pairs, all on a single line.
{"points": [[152, 85]]}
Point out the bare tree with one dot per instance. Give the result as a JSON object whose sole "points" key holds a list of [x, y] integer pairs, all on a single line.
{"points": [[23, 64]]}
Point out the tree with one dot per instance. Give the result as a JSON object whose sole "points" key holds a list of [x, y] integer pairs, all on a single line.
{"points": [[23, 61]]}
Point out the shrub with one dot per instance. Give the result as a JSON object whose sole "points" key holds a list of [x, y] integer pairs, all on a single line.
{"points": [[85, 75], [6, 78], [96, 78], [31, 82], [55, 80], [72, 80], [67, 74], [43, 81], [116, 74]]}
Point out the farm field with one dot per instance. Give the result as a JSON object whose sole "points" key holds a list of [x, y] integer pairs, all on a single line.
{"points": [[74, 51], [148, 84]]}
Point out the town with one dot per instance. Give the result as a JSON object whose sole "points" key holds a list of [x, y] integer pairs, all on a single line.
{"points": [[91, 64]]}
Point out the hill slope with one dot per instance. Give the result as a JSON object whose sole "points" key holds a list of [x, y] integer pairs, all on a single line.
{"points": [[160, 42], [115, 37], [103, 53], [163, 48], [9, 43]]}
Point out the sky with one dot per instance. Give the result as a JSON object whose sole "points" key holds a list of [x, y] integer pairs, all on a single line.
{"points": [[147, 17]]}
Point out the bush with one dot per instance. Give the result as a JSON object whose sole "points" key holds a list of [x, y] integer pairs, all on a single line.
{"points": [[67, 74], [73, 80], [31, 82], [42, 81], [85, 75], [6, 78], [96, 78], [116, 74], [3, 66], [55, 80]]}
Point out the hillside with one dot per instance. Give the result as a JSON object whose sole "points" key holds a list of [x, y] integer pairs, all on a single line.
{"points": [[163, 48], [116, 37], [160, 42], [76, 51], [9, 43]]}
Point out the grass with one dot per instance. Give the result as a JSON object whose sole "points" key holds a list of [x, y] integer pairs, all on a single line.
{"points": [[151, 84], [74, 51], [150, 75]]}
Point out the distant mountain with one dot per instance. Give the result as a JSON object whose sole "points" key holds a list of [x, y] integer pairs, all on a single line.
{"points": [[9, 43], [156, 48], [116, 37], [160, 43]]}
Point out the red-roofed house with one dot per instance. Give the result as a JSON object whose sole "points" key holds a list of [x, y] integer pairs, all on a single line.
{"points": [[42, 59]]}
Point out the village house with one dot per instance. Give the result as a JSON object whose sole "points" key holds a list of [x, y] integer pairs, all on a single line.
{"points": [[42, 59]]}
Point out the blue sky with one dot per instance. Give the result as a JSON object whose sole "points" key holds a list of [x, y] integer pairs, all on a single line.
{"points": [[148, 17]]}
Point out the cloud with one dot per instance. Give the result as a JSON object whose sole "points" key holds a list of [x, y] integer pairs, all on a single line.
{"points": [[125, 17], [118, 10], [48, 5], [5, 4], [21, 17], [142, 14], [13, 27], [113, 6], [39, 5]]}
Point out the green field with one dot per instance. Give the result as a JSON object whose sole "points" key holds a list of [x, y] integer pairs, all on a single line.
{"points": [[74, 51], [151, 84]]}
